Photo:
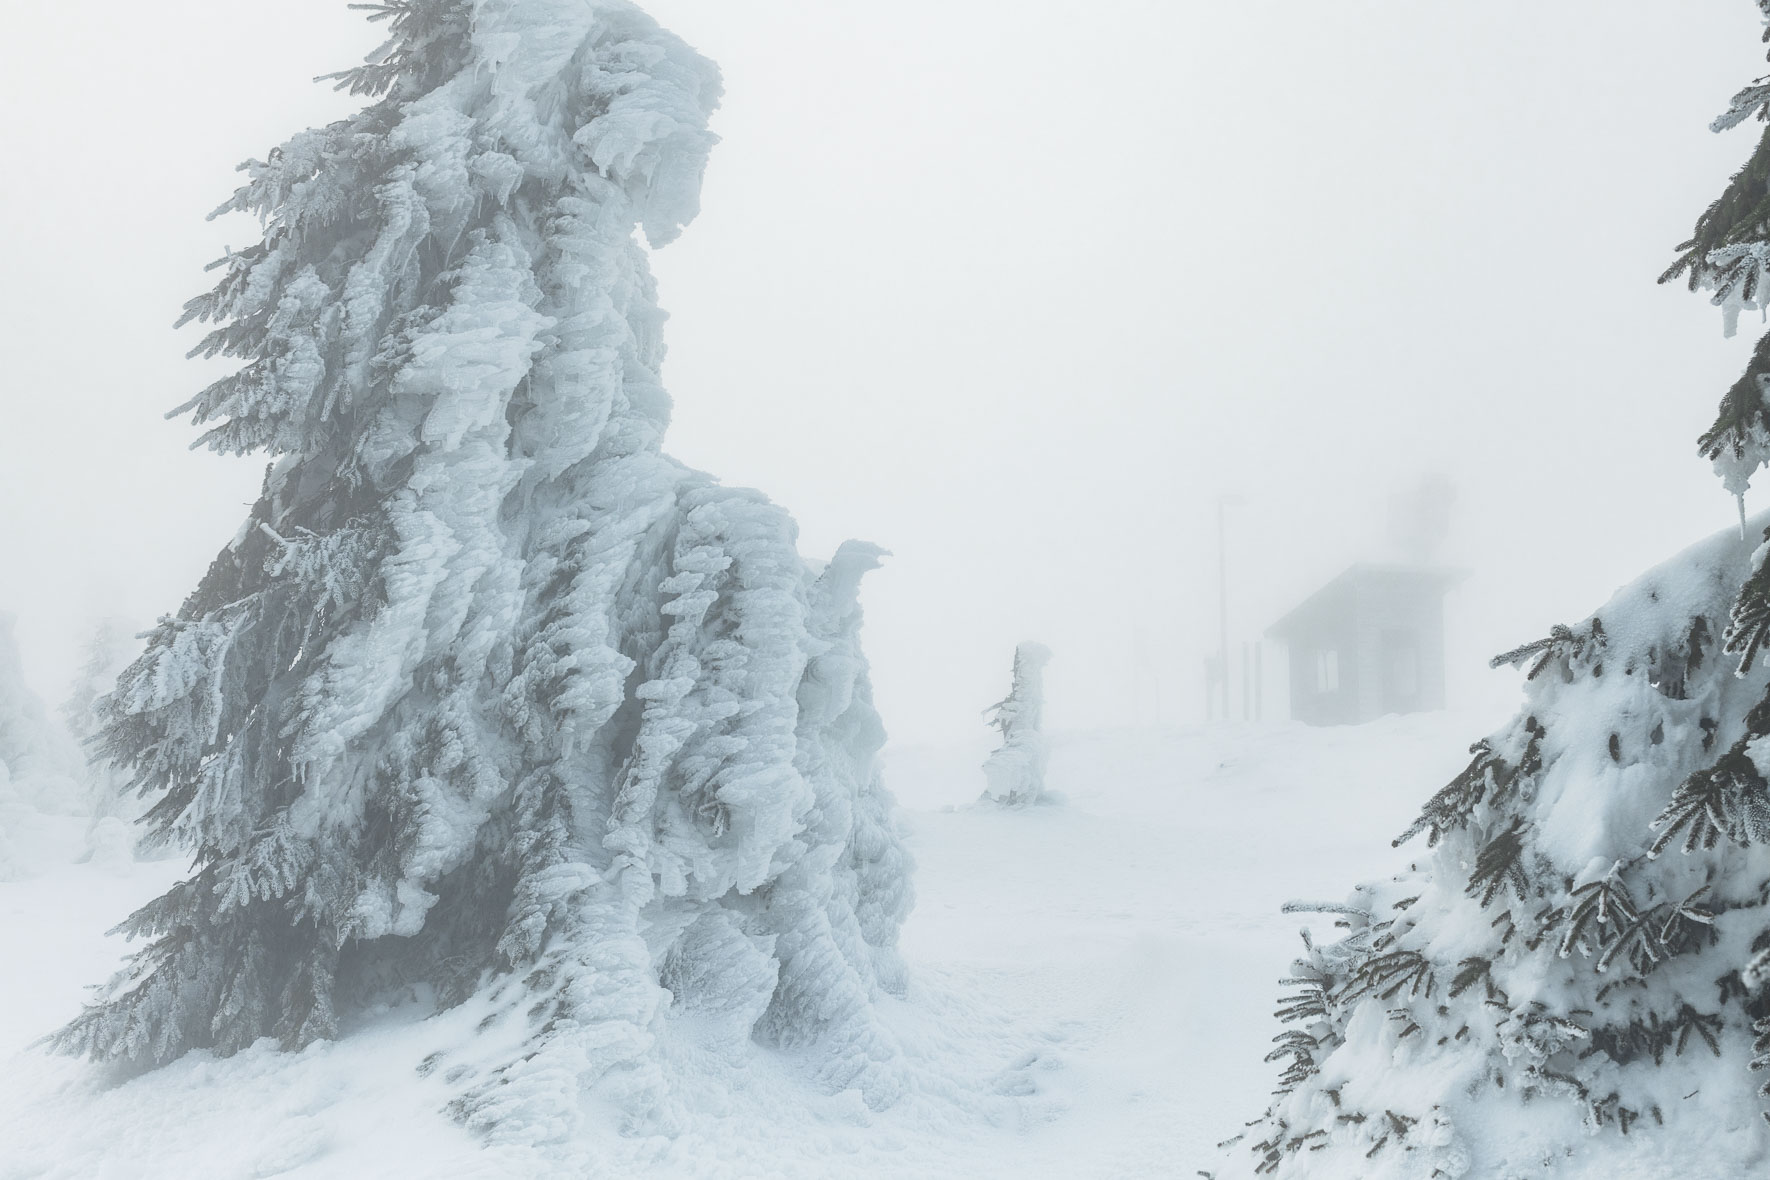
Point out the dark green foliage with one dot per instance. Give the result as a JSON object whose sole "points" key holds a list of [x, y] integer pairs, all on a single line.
{"points": [[1748, 628], [1273, 1150], [1501, 864], [1742, 415], [1487, 778], [1761, 1050], [1324, 978], [1451, 806], [1397, 1125], [1722, 255], [1387, 975], [1601, 909], [1300, 1047], [1472, 971], [1652, 1037], [1310, 1006], [1603, 921], [1571, 650], [1740, 216], [1728, 799], [1666, 930], [422, 33]]}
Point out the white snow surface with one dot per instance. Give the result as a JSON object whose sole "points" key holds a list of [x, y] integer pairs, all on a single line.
{"points": [[1090, 994]]}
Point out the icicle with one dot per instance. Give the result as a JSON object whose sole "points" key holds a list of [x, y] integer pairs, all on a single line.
{"points": [[1739, 499]]}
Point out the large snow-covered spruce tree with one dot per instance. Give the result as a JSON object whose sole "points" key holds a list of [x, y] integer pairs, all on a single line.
{"points": [[1574, 978], [489, 698]]}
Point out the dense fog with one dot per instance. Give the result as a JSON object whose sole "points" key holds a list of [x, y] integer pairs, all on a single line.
{"points": [[817, 699], [1016, 295]]}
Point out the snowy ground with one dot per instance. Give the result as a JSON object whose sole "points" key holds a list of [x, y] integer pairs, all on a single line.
{"points": [[1092, 996]]}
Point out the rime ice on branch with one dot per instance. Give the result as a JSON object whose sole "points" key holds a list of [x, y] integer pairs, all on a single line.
{"points": [[487, 694], [1583, 945], [1016, 770]]}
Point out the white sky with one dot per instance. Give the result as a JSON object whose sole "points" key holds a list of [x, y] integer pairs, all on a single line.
{"points": [[1013, 289]]}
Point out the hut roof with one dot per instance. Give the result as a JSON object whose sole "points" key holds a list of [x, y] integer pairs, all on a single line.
{"points": [[1342, 590]]}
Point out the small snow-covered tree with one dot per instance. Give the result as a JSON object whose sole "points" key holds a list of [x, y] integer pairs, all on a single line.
{"points": [[41, 762], [109, 649], [488, 694], [1015, 771], [16, 738], [37, 762], [1577, 967]]}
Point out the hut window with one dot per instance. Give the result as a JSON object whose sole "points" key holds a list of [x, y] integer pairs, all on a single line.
{"points": [[1327, 671]]}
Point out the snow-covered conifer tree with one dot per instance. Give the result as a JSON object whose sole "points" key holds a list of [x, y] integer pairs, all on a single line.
{"points": [[487, 694], [1574, 972], [19, 713], [37, 761], [1015, 771], [41, 762], [109, 649]]}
